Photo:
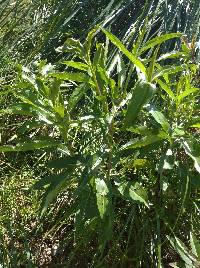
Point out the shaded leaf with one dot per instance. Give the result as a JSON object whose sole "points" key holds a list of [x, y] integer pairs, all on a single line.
{"points": [[141, 94], [76, 96], [64, 162], [57, 185], [29, 146]]}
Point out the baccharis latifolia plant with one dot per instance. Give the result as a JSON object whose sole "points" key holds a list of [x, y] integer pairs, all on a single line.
{"points": [[122, 133]]}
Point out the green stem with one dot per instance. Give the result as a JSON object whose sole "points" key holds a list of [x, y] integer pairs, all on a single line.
{"points": [[110, 146]]}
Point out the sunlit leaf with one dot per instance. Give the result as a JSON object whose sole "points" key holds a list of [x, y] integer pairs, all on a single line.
{"points": [[133, 191], [76, 65], [166, 88], [195, 245], [182, 250], [187, 93], [168, 70], [102, 198], [77, 77], [172, 55], [160, 118], [159, 40], [137, 143], [193, 152], [124, 50]]}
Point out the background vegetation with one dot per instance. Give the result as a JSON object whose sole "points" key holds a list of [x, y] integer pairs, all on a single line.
{"points": [[99, 133]]}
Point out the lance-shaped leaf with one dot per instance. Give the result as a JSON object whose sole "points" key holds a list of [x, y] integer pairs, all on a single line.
{"points": [[168, 70], [151, 67], [141, 94], [73, 46], [65, 162], [166, 88], [195, 245], [196, 125], [54, 185], [76, 77], [136, 61], [182, 250], [172, 55], [29, 146], [160, 118], [29, 125], [137, 143], [193, 152], [76, 65], [186, 93], [76, 96], [20, 109], [133, 191], [102, 196], [159, 40]]}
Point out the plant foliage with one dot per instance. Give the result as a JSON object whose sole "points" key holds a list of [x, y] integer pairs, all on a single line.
{"points": [[124, 135]]}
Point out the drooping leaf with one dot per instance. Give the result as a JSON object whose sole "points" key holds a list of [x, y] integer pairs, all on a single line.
{"points": [[87, 211], [48, 180], [60, 183]]}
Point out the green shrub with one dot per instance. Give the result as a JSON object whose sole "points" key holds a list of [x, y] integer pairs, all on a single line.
{"points": [[122, 134]]}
